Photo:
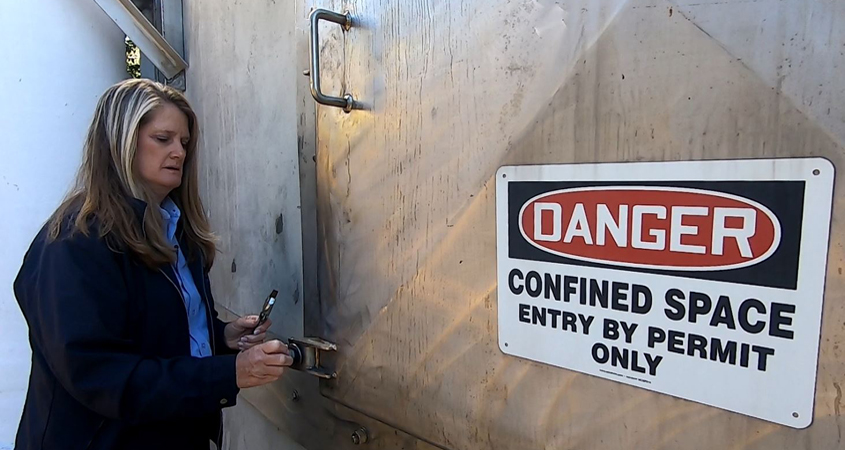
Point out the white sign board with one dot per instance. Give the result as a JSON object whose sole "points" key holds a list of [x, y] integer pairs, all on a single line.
{"points": [[703, 280]]}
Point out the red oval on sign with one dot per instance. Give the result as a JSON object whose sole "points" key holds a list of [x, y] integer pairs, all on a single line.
{"points": [[651, 227]]}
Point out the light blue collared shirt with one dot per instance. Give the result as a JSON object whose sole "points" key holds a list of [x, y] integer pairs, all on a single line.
{"points": [[194, 306]]}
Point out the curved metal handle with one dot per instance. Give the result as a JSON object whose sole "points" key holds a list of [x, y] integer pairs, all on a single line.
{"points": [[347, 102]]}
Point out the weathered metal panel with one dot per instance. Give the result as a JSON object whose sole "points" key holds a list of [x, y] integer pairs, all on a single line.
{"points": [[454, 90], [247, 428], [240, 83], [257, 148]]}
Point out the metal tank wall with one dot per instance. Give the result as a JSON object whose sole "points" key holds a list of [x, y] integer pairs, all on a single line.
{"points": [[474, 86], [454, 90]]}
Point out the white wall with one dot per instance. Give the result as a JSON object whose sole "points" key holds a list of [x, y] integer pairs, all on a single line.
{"points": [[57, 57]]}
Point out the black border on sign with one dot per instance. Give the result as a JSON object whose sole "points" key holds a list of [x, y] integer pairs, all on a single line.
{"points": [[784, 198]]}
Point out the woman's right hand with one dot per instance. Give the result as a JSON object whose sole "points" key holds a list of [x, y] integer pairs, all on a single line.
{"points": [[262, 364]]}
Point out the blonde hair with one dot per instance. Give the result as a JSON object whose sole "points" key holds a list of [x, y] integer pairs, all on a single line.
{"points": [[107, 179]]}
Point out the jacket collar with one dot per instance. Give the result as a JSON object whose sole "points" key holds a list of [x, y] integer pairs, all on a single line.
{"points": [[139, 207]]}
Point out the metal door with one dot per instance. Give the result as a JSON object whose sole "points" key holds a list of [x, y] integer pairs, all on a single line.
{"points": [[449, 91]]}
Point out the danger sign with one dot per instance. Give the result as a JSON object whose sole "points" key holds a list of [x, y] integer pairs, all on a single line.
{"points": [[703, 280], [680, 224]]}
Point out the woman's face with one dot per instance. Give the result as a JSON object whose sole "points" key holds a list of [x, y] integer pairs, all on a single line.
{"points": [[161, 149]]}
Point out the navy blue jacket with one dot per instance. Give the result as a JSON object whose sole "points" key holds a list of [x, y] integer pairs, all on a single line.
{"points": [[111, 359]]}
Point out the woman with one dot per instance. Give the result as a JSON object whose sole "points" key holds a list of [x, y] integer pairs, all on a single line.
{"points": [[127, 349]]}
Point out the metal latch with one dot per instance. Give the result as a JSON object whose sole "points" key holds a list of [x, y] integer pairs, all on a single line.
{"points": [[306, 356]]}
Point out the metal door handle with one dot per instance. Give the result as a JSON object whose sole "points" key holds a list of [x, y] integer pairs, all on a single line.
{"points": [[347, 102]]}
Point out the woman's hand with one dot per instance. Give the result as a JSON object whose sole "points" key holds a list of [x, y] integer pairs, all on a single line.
{"points": [[242, 334], [262, 364]]}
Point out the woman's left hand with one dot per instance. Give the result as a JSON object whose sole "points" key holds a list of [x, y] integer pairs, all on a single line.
{"points": [[242, 334]]}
